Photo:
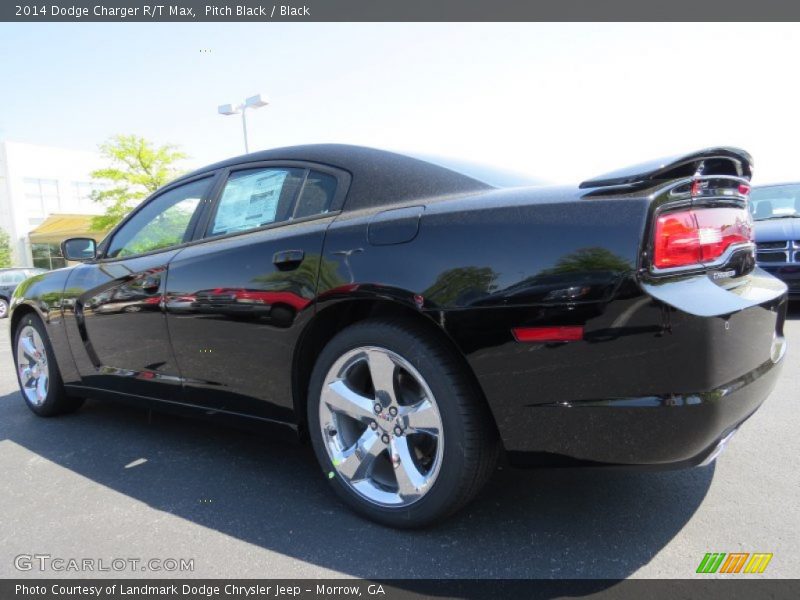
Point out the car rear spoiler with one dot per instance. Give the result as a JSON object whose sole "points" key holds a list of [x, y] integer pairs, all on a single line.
{"points": [[711, 161]]}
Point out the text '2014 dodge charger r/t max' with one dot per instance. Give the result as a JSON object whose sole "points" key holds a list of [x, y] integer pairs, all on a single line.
{"points": [[416, 322]]}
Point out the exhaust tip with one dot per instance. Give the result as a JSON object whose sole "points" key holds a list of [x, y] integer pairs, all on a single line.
{"points": [[721, 444]]}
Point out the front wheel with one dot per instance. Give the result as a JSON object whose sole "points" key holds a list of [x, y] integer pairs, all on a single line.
{"points": [[37, 371], [397, 425], [3, 308]]}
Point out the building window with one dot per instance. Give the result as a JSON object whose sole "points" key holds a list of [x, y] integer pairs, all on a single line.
{"points": [[41, 197], [81, 200], [47, 256], [82, 190]]}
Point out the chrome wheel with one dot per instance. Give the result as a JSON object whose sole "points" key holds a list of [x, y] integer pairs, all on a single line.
{"points": [[381, 426], [34, 373], [3, 308]]}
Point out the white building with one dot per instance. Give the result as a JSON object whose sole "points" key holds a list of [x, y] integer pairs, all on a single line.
{"points": [[39, 183]]}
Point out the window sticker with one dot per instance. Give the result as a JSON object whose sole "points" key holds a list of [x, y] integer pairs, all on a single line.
{"points": [[249, 201]]}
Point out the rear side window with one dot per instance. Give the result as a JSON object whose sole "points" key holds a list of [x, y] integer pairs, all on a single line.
{"points": [[317, 195], [253, 198]]}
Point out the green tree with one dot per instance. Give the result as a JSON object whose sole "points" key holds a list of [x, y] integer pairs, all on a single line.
{"points": [[589, 259], [137, 168], [461, 284], [314, 270], [5, 249]]}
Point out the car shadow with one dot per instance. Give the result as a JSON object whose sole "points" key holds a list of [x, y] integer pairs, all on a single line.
{"points": [[547, 523]]}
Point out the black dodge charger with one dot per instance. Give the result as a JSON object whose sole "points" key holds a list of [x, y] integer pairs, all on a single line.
{"points": [[417, 323]]}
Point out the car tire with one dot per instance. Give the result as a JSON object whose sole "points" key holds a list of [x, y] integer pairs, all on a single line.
{"points": [[3, 308], [442, 443], [39, 379]]}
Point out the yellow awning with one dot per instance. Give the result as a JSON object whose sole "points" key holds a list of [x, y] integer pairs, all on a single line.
{"points": [[57, 228]]}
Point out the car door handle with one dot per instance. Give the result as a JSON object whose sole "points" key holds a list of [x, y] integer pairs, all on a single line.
{"points": [[288, 259]]}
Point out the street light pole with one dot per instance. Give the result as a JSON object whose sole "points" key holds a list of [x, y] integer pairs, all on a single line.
{"points": [[244, 130], [230, 109]]}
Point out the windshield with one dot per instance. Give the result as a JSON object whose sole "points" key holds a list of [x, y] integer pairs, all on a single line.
{"points": [[775, 202]]}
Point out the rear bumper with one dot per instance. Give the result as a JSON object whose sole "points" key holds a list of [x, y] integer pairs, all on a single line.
{"points": [[659, 379], [680, 430]]}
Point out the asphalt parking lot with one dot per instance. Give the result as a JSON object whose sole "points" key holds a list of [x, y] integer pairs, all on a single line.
{"points": [[108, 482]]}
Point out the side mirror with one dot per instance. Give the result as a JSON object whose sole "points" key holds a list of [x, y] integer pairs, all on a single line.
{"points": [[79, 249]]}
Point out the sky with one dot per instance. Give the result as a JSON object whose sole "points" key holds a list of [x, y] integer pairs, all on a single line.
{"points": [[563, 102]]}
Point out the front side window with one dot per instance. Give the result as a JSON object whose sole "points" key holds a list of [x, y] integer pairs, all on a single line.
{"points": [[164, 222], [256, 197]]}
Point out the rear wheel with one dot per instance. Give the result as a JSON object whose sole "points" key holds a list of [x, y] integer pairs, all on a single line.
{"points": [[396, 424], [37, 371], [3, 308]]}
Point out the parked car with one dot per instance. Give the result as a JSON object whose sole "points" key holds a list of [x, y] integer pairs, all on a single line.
{"points": [[431, 322], [776, 210], [9, 280]]}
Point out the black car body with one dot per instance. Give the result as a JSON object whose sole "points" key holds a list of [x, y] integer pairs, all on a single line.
{"points": [[547, 299], [776, 209], [10, 278]]}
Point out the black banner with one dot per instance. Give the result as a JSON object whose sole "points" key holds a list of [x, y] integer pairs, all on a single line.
{"points": [[405, 10], [735, 588]]}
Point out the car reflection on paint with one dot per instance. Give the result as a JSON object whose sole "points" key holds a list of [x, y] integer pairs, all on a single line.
{"points": [[279, 306], [123, 301]]}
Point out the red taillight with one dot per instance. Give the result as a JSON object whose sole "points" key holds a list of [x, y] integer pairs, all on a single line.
{"points": [[693, 237], [548, 334], [676, 240]]}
